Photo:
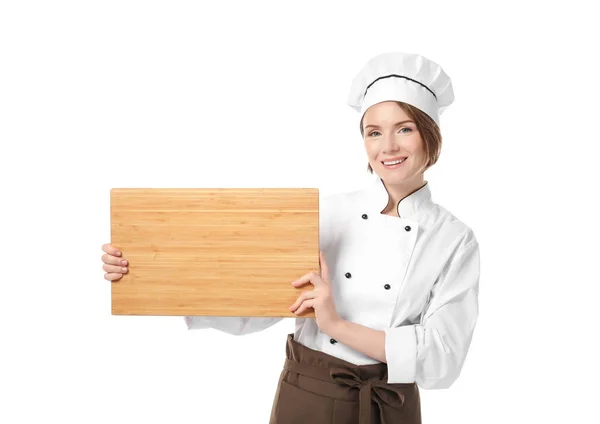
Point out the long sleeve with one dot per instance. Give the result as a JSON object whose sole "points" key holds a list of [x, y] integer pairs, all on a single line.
{"points": [[237, 326], [432, 353]]}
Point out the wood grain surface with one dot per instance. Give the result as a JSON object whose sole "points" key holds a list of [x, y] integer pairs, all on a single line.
{"points": [[213, 252]]}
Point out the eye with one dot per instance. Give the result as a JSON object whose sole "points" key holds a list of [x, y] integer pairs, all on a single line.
{"points": [[371, 134], [406, 128]]}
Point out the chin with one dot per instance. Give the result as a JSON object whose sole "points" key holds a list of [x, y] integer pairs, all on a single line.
{"points": [[397, 176]]}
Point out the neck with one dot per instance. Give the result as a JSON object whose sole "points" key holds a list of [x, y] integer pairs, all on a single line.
{"points": [[399, 191]]}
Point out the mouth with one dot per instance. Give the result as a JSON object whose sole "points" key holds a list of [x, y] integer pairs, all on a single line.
{"points": [[393, 163]]}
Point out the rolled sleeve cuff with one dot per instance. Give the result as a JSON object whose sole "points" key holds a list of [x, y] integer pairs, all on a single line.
{"points": [[197, 322], [401, 354]]}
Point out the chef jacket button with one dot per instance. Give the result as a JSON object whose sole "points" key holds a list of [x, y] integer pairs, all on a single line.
{"points": [[387, 287], [407, 228], [364, 216], [332, 341], [348, 275]]}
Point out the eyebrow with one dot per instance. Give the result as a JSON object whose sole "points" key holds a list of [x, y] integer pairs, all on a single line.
{"points": [[396, 124]]}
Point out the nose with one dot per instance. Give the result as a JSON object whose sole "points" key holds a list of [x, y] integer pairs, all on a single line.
{"points": [[389, 143]]}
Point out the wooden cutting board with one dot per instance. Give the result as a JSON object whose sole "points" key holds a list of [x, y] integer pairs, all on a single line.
{"points": [[213, 251]]}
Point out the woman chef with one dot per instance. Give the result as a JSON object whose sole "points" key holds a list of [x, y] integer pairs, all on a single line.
{"points": [[396, 299]]}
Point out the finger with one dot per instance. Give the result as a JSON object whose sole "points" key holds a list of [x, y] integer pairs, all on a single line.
{"points": [[311, 277], [110, 249], [112, 276], [305, 305], [115, 269], [324, 267], [113, 260], [310, 294]]}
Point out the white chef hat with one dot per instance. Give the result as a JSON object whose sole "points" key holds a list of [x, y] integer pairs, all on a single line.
{"points": [[406, 77]]}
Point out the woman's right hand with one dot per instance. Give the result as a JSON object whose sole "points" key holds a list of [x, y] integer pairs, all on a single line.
{"points": [[114, 264]]}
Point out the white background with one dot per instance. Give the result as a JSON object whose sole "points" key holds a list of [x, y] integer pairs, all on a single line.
{"points": [[95, 95]]}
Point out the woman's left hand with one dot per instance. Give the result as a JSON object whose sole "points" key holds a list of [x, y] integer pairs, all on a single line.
{"points": [[320, 298]]}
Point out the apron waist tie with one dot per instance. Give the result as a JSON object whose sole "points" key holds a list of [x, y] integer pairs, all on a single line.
{"points": [[377, 390]]}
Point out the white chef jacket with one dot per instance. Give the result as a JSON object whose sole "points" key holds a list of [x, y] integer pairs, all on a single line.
{"points": [[415, 277]]}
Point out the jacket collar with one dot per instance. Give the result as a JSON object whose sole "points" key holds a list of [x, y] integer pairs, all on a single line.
{"points": [[410, 207]]}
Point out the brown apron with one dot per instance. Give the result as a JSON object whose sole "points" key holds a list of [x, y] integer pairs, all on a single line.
{"points": [[322, 389]]}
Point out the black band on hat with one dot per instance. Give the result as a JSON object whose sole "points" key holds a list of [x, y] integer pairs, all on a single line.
{"points": [[400, 76]]}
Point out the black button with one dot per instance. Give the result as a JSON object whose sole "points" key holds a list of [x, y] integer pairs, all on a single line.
{"points": [[364, 216], [387, 287], [332, 341], [407, 228], [348, 275]]}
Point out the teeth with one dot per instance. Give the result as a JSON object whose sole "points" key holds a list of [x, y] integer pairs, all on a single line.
{"points": [[394, 162]]}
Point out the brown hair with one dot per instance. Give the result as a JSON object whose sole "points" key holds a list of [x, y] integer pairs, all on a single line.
{"points": [[428, 129]]}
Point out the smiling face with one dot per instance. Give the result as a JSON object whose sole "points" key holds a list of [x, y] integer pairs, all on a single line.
{"points": [[390, 136]]}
